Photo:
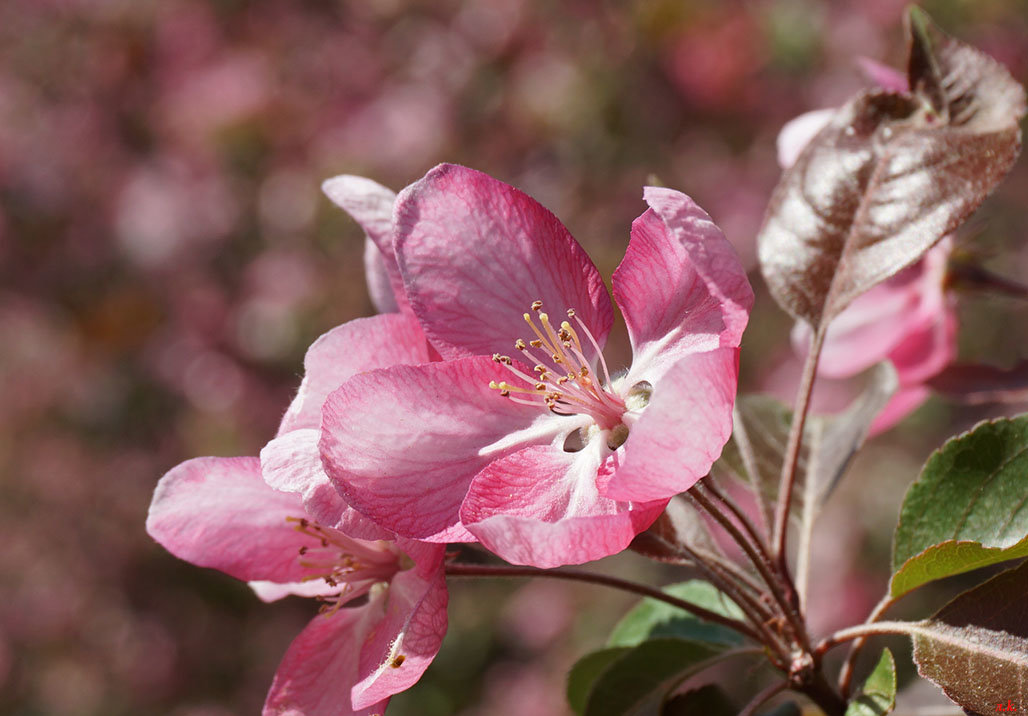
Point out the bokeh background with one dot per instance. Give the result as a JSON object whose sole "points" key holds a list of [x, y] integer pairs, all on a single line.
{"points": [[166, 257]]}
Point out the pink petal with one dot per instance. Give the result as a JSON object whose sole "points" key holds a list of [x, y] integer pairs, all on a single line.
{"points": [[292, 463], [682, 431], [475, 253], [797, 133], [888, 78], [902, 404], [218, 512], [371, 205], [355, 347], [412, 628], [321, 666], [402, 444], [681, 286], [376, 273], [540, 506], [907, 319]]}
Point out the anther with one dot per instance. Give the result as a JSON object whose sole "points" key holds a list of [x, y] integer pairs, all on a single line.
{"points": [[520, 344], [536, 343], [537, 306], [571, 313]]}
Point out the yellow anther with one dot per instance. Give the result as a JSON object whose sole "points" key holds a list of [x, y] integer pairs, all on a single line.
{"points": [[540, 368], [537, 305], [496, 357], [585, 370], [520, 345], [536, 343], [571, 313], [540, 386]]}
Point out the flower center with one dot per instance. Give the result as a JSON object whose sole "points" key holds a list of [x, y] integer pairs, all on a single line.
{"points": [[563, 382], [349, 566]]}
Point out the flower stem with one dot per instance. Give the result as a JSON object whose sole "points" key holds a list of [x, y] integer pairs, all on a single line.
{"points": [[865, 630], [792, 450], [846, 673], [760, 560], [482, 570]]}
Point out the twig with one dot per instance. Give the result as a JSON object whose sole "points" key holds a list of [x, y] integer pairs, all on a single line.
{"points": [[481, 570], [864, 630], [846, 673]]}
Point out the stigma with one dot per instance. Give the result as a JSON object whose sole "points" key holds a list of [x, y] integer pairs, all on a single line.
{"points": [[349, 567], [562, 380]]}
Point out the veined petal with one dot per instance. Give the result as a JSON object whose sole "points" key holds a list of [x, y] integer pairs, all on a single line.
{"points": [[407, 638], [219, 512], [321, 665], [797, 133], [540, 506], [371, 205], [475, 253], [292, 463], [681, 286], [402, 444], [682, 431], [376, 273], [357, 346]]}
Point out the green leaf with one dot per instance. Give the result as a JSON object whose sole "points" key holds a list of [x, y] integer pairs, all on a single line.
{"points": [[585, 672], [968, 509], [652, 619], [638, 682], [878, 695], [755, 452], [976, 647]]}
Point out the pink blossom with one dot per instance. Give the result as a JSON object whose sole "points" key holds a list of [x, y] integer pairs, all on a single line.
{"points": [[908, 319], [545, 457], [384, 603]]}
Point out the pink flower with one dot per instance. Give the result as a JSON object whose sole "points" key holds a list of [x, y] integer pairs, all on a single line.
{"points": [[236, 514], [909, 319], [384, 603], [544, 457]]}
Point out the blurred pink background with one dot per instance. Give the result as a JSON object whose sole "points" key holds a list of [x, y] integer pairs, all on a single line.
{"points": [[166, 257]]}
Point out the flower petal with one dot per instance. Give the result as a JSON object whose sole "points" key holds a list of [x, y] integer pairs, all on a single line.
{"points": [[682, 431], [681, 286], [408, 637], [273, 591], [402, 444], [797, 133], [371, 205], [540, 506], [219, 512], [888, 78], [292, 463], [475, 253], [355, 347], [320, 667], [376, 273]]}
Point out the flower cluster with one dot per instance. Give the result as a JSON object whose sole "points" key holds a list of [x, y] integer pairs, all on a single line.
{"points": [[477, 407]]}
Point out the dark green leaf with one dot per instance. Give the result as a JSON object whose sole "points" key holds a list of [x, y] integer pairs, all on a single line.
{"points": [[889, 176], [878, 695], [585, 672], [709, 700], [976, 647], [652, 619], [968, 508], [638, 683]]}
